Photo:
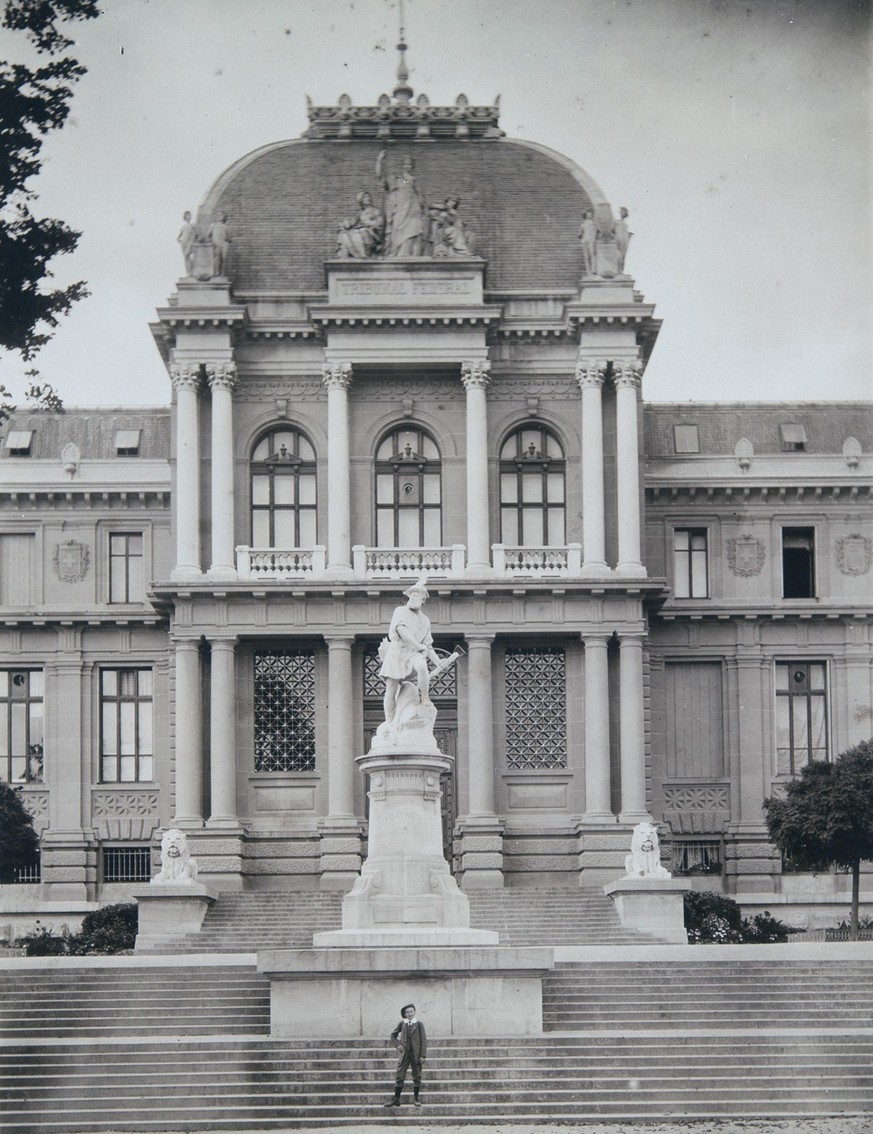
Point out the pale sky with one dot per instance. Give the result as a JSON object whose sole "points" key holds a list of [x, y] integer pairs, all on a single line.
{"points": [[737, 133]]}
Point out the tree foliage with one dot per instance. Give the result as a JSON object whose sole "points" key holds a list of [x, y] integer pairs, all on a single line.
{"points": [[19, 842], [825, 818], [34, 100]]}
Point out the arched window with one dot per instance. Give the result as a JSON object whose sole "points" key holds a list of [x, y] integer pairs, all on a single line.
{"points": [[532, 489], [283, 490], [408, 490]]}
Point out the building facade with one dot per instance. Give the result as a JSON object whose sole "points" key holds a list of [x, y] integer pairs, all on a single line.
{"points": [[405, 344]]}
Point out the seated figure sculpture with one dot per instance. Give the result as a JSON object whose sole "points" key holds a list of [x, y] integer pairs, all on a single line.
{"points": [[644, 860], [177, 865]]}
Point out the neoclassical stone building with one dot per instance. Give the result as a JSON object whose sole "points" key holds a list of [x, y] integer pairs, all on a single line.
{"points": [[405, 344]]}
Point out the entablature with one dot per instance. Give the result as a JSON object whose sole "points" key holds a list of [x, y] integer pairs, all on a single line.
{"points": [[795, 492]]}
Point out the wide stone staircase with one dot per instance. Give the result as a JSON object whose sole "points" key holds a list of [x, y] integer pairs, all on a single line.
{"points": [[625, 1041], [246, 922]]}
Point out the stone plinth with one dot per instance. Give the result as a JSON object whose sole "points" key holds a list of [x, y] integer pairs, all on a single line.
{"points": [[405, 894], [654, 905], [359, 992], [168, 912]]}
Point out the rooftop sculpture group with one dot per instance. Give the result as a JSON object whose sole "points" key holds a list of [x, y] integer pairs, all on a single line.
{"points": [[406, 225], [205, 254], [604, 248]]}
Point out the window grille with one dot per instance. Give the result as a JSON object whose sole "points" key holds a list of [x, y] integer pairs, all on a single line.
{"points": [[284, 711], [445, 685], [698, 857], [532, 489], [126, 725], [283, 475], [801, 715], [536, 708], [125, 567], [22, 721], [690, 573], [408, 490], [127, 864]]}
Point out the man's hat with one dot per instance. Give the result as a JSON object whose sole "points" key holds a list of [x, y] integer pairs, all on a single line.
{"points": [[405, 1006], [419, 588]]}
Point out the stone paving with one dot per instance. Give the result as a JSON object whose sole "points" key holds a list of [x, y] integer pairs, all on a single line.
{"points": [[861, 1124]]}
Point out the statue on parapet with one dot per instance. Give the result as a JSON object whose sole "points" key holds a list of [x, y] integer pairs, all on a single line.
{"points": [[405, 654], [360, 237], [219, 238], [449, 235], [187, 239], [644, 860], [177, 865], [621, 234]]}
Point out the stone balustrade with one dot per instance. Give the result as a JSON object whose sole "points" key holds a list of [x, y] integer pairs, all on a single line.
{"points": [[276, 563], [536, 562], [408, 562]]}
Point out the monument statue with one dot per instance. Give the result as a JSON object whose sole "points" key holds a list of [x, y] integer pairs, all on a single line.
{"points": [[588, 239], [187, 240], [360, 237], [449, 235], [405, 209], [177, 865], [220, 240], [622, 235], [404, 654], [644, 860]]}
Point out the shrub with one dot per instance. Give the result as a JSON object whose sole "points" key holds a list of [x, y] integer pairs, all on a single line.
{"points": [[716, 919], [109, 930]]}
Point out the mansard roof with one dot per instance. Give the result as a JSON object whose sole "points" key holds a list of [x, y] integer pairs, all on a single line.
{"points": [[93, 431], [284, 202]]}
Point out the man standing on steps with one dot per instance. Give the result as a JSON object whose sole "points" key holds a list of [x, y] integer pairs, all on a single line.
{"points": [[411, 1041]]}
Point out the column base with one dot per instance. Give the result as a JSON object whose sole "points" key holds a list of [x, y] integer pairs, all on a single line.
{"points": [[631, 570], [187, 822], [340, 863], [183, 573], [597, 569], [634, 817], [222, 573], [480, 842]]}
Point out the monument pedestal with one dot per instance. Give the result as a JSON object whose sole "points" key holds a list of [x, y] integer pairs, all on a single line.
{"points": [[654, 905], [405, 894], [168, 912]]}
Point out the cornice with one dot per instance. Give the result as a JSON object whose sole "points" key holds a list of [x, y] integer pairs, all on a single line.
{"points": [[332, 315], [808, 492]]}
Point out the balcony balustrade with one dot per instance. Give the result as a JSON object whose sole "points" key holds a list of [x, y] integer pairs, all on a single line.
{"points": [[276, 563], [536, 562], [408, 562]]}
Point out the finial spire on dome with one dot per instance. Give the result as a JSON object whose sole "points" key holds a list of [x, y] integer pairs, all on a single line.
{"points": [[403, 91]]}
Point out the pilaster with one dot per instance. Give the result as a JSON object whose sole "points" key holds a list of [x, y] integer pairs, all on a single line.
{"points": [[337, 378], [627, 384], [590, 375], [476, 377], [186, 384], [222, 377]]}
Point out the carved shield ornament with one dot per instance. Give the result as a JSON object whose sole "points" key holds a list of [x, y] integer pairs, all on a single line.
{"points": [[854, 554], [70, 561], [745, 555]]}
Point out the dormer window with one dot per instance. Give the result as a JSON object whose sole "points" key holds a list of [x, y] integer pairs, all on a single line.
{"points": [[793, 438], [18, 442], [686, 439], [127, 442]]}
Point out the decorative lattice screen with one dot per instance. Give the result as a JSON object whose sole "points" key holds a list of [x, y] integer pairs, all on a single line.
{"points": [[284, 711], [445, 685], [536, 708]]}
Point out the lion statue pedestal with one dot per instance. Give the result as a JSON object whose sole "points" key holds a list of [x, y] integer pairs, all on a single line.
{"points": [[174, 903], [648, 898]]}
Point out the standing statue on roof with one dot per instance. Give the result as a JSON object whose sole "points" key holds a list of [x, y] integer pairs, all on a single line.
{"points": [[405, 209], [621, 234]]}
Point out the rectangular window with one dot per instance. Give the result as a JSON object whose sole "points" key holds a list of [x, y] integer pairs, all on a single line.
{"points": [[801, 715], [798, 562], [701, 856], [126, 725], [17, 568], [690, 570], [126, 567], [127, 864], [284, 710], [685, 439], [22, 734], [536, 708], [793, 438], [694, 720], [18, 442], [127, 442]]}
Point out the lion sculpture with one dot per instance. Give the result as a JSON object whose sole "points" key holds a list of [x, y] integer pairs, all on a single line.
{"points": [[644, 860], [177, 865]]}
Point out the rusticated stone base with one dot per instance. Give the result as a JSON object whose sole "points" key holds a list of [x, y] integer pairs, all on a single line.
{"points": [[480, 853]]}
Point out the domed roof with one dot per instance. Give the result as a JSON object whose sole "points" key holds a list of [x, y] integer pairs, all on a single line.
{"points": [[284, 203]]}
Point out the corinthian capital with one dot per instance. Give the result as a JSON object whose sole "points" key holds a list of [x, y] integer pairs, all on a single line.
{"points": [[590, 372], [627, 372], [185, 376], [337, 375], [476, 375], [221, 375]]}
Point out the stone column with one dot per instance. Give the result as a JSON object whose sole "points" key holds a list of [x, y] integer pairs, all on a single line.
{"points": [[186, 383], [598, 803], [632, 730], [340, 829], [189, 738], [481, 832], [476, 377], [589, 375], [222, 379], [222, 738], [627, 384], [337, 379]]}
